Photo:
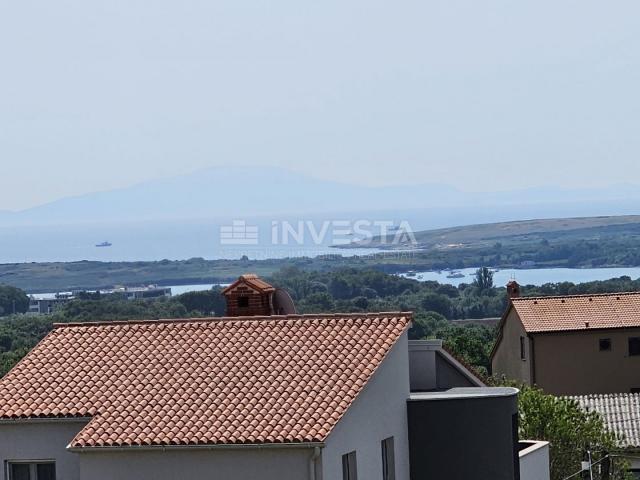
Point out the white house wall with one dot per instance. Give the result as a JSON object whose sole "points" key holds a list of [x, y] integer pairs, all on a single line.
{"points": [[22, 441], [217, 464], [379, 412]]}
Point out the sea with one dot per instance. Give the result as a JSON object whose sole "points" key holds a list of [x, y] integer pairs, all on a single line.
{"points": [[179, 240], [175, 240], [532, 276]]}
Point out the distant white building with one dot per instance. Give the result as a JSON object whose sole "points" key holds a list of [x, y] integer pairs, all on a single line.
{"points": [[46, 304]]}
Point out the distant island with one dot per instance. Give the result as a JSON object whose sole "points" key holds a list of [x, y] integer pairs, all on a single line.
{"points": [[570, 242]]}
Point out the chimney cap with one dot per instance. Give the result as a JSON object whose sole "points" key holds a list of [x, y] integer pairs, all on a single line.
{"points": [[513, 289], [251, 280]]}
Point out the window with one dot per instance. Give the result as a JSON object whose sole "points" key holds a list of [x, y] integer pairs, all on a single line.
{"points": [[349, 466], [634, 346], [523, 355], [388, 460], [605, 344], [243, 302], [32, 471]]}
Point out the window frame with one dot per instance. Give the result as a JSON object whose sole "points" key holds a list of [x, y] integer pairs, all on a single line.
{"points": [[350, 466], [388, 458], [33, 467], [523, 351], [608, 340]]}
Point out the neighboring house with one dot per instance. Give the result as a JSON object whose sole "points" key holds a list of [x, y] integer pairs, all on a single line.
{"points": [[433, 368], [621, 414], [318, 397], [571, 345], [48, 304], [139, 293]]}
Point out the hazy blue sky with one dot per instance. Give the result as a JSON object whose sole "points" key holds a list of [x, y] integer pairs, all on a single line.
{"points": [[483, 95]]}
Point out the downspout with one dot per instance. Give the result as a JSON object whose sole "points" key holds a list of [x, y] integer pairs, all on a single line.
{"points": [[312, 463], [533, 360]]}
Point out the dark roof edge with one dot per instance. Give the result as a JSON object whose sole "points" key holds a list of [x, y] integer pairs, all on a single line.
{"points": [[583, 329], [193, 446]]}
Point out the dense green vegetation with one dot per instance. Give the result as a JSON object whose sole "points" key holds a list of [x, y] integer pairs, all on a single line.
{"points": [[12, 300], [342, 290], [18, 334]]}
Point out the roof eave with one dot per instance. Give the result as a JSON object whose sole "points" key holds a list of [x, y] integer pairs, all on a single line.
{"points": [[52, 419], [583, 329], [213, 446]]}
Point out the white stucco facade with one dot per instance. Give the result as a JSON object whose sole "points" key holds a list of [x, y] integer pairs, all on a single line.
{"points": [[41, 441], [534, 461], [379, 412], [244, 463]]}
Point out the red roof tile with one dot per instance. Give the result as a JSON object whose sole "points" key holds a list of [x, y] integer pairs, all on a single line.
{"points": [[578, 312], [202, 381], [253, 281]]}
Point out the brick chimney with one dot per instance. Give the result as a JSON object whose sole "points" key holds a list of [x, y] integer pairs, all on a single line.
{"points": [[249, 296], [513, 289]]}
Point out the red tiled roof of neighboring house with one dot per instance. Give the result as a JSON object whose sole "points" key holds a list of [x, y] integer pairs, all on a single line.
{"points": [[578, 312], [252, 280], [243, 380]]}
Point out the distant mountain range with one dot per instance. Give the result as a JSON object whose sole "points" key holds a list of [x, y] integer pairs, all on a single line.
{"points": [[259, 191]]}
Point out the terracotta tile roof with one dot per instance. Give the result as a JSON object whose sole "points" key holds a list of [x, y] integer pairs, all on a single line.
{"points": [[578, 312], [620, 413], [202, 381], [252, 280]]}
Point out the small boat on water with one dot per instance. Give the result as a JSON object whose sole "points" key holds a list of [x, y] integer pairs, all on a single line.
{"points": [[456, 275], [411, 273], [103, 244]]}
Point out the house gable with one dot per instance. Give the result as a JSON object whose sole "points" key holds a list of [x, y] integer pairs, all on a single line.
{"points": [[256, 380]]}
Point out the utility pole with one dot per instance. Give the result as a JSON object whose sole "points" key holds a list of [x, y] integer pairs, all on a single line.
{"points": [[587, 468]]}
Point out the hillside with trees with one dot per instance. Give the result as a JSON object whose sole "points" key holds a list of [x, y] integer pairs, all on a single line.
{"points": [[343, 290]]}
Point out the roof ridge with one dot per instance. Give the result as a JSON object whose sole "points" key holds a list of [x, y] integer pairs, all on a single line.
{"points": [[576, 295], [317, 316]]}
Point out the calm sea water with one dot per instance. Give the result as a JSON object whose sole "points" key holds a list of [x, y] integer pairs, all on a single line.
{"points": [[177, 240], [525, 277], [538, 276]]}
